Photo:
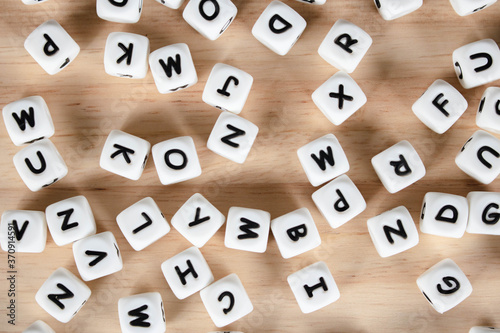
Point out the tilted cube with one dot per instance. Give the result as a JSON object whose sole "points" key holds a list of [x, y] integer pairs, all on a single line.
{"points": [[62, 295], [70, 220], [28, 120], [393, 9], [247, 229], [484, 213], [484, 329], [467, 7], [142, 223], [480, 157], [279, 27], [444, 215], [121, 11], [345, 45], [40, 165], [142, 313], [339, 98], [126, 55], [210, 17], [488, 111], [51, 47], [444, 285]]}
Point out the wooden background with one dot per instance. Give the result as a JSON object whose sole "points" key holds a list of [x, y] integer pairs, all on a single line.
{"points": [[377, 294]]}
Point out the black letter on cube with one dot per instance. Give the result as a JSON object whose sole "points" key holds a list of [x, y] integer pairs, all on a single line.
{"points": [[67, 215], [490, 150], [231, 301], [190, 270], [140, 321], [440, 106], [297, 232], [491, 218], [43, 164], [401, 167], [223, 91], [25, 117], [324, 157], [50, 48], [399, 232], [19, 233], [450, 282], [341, 205], [124, 151], [118, 3], [286, 25], [57, 297], [171, 63], [227, 138], [127, 53], [321, 284], [454, 214], [173, 166], [246, 229], [489, 61], [204, 14], [348, 42], [197, 219], [144, 225]]}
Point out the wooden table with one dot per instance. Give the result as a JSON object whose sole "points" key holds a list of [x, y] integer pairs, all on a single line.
{"points": [[377, 294]]}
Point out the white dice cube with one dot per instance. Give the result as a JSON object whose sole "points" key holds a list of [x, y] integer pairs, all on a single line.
{"points": [[28, 120], [398, 166], [444, 285], [210, 17], [40, 165], [142, 313], [70, 220], [440, 106], [488, 111], [279, 27], [172, 68], [313, 287], [125, 154], [313, 2], [467, 7], [393, 9], [187, 272], [484, 213], [121, 11], [226, 300], [23, 231], [126, 55], [39, 327], [345, 45], [174, 4], [142, 223], [444, 215], [198, 220], [339, 98], [477, 63], [339, 201], [62, 295], [295, 233], [97, 256], [247, 229], [393, 231], [32, 2], [483, 329], [227, 88], [51, 47], [176, 160], [323, 159], [479, 157], [232, 137]]}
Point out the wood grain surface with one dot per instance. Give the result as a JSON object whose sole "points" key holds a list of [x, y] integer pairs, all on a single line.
{"points": [[377, 294]]}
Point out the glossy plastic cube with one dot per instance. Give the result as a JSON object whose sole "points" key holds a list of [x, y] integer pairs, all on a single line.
{"points": [[23, 231], [247, 229], [467, 7], [121, 11], [393, 9], [142, 313], [484, 213], [126, 55], [210, 17], [488, 111], [444, 215]]}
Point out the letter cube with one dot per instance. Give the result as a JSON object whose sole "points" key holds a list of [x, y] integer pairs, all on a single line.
{"points": [[198, 220], [142, 223], [484, 213], [232, 137], [313, 2], [32, 2], [339, 98], [125, 154], [172, 68], [444, 285], [279, 27], [142, 313], [398, 166], [295, 233], [51, 47], [440, 106], [467, 7], [323, 159], [477, 63], [444, 215], [393, 231], [339, 201], [174, 4], [62, 295], [488, 112], [226, 300], [187, 272], [479, 157], [126, 55], [121, 11], [345, 45], [313, 287], [28, 120], [210, 17], [40, 165], [39, 327], [97, 256], [26, 230], [227, 88], [393, 9], [70, 220], [176, 160], [483, 329], [247, 229]]}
